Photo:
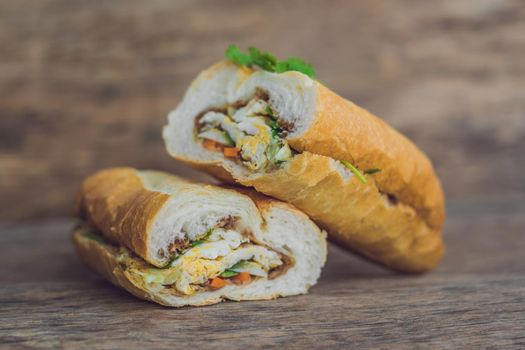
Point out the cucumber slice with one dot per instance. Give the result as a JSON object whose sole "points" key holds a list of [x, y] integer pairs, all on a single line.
{"points": [[217, 136], [252, 268], [232, 130], [228, 273], [284, 153]]}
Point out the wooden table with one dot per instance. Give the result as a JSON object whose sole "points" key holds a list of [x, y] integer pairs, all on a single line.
{"points": [[87, 84], [476, 298]]}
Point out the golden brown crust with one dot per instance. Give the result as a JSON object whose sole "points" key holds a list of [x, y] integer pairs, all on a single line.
{"points": [[356, 215], [103, 259], [116, 202], [395, 219], [106, 260], [345, 131]]}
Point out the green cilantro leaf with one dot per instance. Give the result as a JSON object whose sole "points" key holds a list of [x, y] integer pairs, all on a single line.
{"points": [[295, 64], [267, 61], [234, 54], [269, 111], [273, 124]]}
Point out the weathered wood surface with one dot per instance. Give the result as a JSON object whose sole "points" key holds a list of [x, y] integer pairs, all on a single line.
{"points": [[87, 84], [475, 299]]}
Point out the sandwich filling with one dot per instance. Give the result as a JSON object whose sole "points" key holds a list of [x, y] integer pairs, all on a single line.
{"points": [[220, 257], [248, 132], [252, 134]]}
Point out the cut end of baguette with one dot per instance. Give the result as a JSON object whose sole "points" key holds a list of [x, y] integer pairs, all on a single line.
{"points": [[188, 208], [393, 219]]}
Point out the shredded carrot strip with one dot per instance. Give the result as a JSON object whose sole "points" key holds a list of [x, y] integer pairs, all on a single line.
{"points": [[209, 144], [230, 152], [242, 278], [217, 283]]}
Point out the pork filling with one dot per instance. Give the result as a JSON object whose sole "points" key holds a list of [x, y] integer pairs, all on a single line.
{"points": [[250, 133], [253, 134], [221, 257]]}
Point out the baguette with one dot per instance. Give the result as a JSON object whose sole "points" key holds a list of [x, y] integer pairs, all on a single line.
{"points": [[328, 148], [168, 240]]}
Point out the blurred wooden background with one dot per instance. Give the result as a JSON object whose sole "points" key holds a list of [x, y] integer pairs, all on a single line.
{"points": [[87, 84]]}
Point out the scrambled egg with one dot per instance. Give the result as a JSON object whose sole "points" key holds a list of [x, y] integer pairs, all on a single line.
{"points": [[252, 130], [223, 249]]}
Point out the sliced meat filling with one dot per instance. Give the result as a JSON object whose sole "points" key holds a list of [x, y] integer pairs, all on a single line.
{"points": [[251, 133], [222, 254]]}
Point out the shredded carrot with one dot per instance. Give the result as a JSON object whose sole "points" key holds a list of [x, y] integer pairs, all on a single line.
{"points": [[209, 144], [230, 152], [242, 278], [217, 283]]}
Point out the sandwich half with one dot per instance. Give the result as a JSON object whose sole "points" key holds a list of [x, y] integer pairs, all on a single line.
{"points": [[176, 242], [290, 137]]}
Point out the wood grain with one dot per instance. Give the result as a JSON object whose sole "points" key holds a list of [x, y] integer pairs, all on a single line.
{"points": [[475, 299], [87, 84]]}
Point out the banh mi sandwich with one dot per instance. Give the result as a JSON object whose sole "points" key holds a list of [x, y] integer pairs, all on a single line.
{"points": [[176, 242], [267, 124]]}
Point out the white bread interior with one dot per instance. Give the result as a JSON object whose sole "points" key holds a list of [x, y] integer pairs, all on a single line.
{"points": [[292, 95], [193, 207], [394, 219]]}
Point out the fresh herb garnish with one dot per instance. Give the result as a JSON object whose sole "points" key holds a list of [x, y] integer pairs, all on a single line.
{"points": [[169, 265], [204, 238], [208, 233], [273, 124], [275, 129], [267, 61], [354, 170], [297, 64], [94, 237], [372, 171], [196, 243], [269, 110], [230, 140], [228, 273], [234, 54]]}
